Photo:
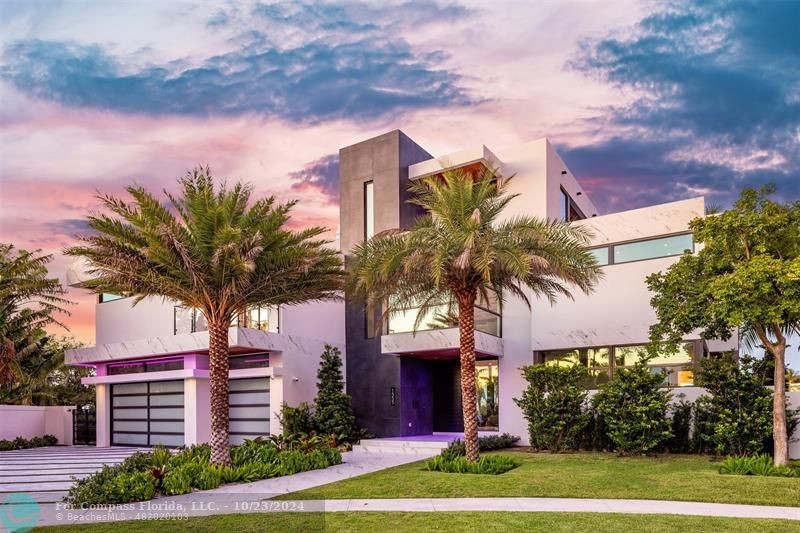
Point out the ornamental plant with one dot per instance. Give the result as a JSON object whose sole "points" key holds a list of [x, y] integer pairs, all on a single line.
{"points": [[634, 409], [333, 414], [553, 405]]}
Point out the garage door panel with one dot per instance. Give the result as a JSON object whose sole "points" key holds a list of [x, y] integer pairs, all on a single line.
{"points": [[140, 414], [130, 401], [147, 413], [167, 399], [136, 425], [130, 388], [166, 440], [168, 413], [133, 439], [249, 409], [258, 384]]}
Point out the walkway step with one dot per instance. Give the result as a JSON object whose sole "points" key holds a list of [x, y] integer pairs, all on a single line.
{"points": [[403, 446]]}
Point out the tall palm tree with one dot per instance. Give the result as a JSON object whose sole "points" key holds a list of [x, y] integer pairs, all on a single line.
{"points": [[460, 251], [29, 302], [213, 250]]}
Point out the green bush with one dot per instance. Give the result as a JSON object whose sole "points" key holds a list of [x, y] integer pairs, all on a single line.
{"points": [[595, 435], [177, 482], [295, 420], [133, 487], [254, 451], [635, 409], [101, 487], [21, 443], [487, 464], [756, 465], [333, 414], [738, 412], [553, 405], [485, 444], [681, 440]]}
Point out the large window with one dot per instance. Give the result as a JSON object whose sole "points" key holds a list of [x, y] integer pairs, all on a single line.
{"points": [[596, 361], [369, 210], [568, 210], [645, 249], [488, 318], [488, 396], [677, 367], [653, 248], [189, 320]]}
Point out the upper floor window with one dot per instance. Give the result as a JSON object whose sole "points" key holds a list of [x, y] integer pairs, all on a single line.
{"points": [[369, 210], [645, 249], [488, 318], [189, 320], [568, 210], [104, 297], [653, 248]]}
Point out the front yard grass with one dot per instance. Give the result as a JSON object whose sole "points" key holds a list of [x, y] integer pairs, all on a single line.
{"points": [[578, 475], [456, 522]]}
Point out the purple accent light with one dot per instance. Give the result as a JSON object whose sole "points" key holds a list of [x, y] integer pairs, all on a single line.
{"points": [[144, 361]]}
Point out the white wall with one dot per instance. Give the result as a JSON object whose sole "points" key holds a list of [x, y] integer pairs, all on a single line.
{"points": [[36, 421], [120, 321]]}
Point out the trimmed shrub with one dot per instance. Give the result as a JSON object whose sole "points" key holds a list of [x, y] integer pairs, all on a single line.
{"points": [[553, 405], [594, 436], [738, 412], [295, 420], [635, 409], [756, 465], [681, 440], [21, 443], [488, 464], [133, 487]]}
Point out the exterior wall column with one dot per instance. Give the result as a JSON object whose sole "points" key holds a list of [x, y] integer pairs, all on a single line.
{"points": [[276, 400], [103, 415], [196, 411]]}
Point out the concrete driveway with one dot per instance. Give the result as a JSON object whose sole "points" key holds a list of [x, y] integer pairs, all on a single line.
{"points": [[46, 473]]}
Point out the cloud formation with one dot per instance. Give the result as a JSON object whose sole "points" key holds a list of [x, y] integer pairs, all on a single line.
{"points": [[716, 100], [306, 62], [320, 176]]}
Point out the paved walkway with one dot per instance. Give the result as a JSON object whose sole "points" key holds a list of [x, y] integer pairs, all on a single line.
{"points": [[46, 473]]}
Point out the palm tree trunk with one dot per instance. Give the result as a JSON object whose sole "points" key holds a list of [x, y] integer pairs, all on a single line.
{"points": [[780, 437], [466, 326], [218, 372]]}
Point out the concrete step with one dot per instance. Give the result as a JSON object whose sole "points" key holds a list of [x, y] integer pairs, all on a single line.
{"points": [[401, 446]]}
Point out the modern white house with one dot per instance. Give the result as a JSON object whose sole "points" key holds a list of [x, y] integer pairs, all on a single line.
{"points": [[151, 360]]}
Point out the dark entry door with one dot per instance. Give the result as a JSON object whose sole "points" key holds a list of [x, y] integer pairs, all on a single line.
{"points": [[447, 416], [83, 426]]}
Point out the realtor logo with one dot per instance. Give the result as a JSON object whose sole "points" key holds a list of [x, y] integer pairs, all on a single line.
{"points": [[19, 512]]}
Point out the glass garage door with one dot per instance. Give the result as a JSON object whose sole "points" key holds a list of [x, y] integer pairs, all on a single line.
{"points": [[146, 414], [249, 409]]}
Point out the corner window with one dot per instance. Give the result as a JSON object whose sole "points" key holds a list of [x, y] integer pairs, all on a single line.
{"points": [[369, 210], [108, 297], [653, 248], [568, 210]]}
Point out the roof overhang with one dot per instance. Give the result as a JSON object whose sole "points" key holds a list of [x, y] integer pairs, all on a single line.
{"points": [[471, 157], [240, 340], [438, 343]]}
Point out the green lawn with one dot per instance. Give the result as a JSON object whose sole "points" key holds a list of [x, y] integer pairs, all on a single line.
{"points": [[580, 475], [458, 522]]}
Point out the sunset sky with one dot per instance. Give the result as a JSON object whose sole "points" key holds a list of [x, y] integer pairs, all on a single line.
{"points": [[647, 102]]}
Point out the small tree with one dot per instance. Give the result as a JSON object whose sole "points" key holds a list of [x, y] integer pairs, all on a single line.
{"points": [[553, 405], [333, 413], [634, 409], [746, 276]]}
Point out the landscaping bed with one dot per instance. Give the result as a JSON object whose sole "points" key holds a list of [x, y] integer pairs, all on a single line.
{"points": [[21, 443], [160, 472], [574, 475]]}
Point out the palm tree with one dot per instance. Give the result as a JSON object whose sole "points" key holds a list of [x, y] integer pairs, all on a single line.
{"points": [[29, 302], [460, 251], [210, 249]]}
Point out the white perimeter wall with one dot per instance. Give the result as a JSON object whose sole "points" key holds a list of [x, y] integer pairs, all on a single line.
{"points": [[120, 320], [35, 421]]}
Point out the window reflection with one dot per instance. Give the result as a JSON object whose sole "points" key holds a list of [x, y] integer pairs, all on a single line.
{"points": [[594, 360]]}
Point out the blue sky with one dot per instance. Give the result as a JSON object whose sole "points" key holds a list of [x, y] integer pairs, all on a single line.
{"points": [[646, 101]]}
